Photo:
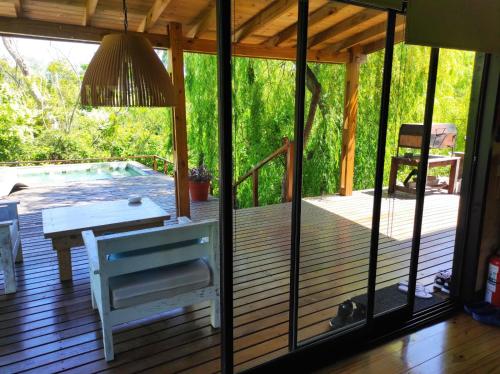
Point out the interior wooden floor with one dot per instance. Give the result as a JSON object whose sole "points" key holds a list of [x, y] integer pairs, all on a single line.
{"points": [[458, 345], [48, 326]]}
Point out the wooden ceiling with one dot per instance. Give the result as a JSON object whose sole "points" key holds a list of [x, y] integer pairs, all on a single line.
{"points": [[262, 28]]}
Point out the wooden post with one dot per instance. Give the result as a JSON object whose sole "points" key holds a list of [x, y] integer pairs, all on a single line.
{"points": [[349, 127], [255, 185], [289, 172], [176, 68]]}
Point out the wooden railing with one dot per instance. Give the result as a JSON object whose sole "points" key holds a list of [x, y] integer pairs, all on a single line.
{"points": [[154, 159], [286, 148]]}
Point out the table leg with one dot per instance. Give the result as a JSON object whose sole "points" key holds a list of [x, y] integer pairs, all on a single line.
{"points": [[392, 176], [453, 177], [64, 259]]}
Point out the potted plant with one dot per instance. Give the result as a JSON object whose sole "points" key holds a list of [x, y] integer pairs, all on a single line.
{"points": [[199, 183]]}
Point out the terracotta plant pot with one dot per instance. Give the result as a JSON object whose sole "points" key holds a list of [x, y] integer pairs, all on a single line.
{"points": [[199, 190]]}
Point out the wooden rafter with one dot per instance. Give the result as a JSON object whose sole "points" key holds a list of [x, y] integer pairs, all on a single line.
{"points": [[377, 30], [75, 33], [316, 16], [379, 44], [343, 26], [202, 21], [265, 16], [153, 14], [90, 7]]}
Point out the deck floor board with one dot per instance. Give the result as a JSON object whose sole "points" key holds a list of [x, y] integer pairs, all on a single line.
{"points": [[48, 326]]}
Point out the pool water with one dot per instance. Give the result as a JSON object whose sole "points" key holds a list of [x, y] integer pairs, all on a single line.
{"points": [[92, 173], [60, 174]]}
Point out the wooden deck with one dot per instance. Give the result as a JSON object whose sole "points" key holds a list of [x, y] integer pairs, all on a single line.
{"points": [[48, 326]]}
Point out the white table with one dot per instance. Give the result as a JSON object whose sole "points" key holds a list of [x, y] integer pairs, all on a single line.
{"points": [[64, 225]]}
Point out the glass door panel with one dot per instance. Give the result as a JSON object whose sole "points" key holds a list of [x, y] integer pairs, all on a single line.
{"points": [[338, 176]]}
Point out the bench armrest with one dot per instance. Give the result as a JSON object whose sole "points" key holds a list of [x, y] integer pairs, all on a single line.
{"points": [[90, 243]]}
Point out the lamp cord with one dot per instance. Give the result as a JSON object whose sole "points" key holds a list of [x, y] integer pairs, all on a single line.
{"points": [[125, 19]]}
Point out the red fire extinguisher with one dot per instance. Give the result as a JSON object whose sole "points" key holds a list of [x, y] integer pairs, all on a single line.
{"points": [[493, 283]]}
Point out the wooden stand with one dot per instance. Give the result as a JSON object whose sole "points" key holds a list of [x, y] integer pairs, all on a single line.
{"points": [[434, 161]]}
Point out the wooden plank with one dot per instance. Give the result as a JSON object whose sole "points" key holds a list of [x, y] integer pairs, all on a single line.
{"points": [[176, 68], [315, 17], [105, 215], [260, 51], [51, 327], [153, 14], [203, 21], [379, 44], [376, 31], [349, 127], [52, 31], [90, 7], [342, 26], [268, 14]]}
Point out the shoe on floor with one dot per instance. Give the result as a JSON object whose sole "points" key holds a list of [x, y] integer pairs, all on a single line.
{"points": [[442, 281]]}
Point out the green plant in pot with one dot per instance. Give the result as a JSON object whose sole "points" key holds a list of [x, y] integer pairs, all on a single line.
{"points": [[199, 183]]}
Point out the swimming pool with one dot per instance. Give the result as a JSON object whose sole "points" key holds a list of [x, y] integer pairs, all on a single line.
{"points": [[61, 174]]}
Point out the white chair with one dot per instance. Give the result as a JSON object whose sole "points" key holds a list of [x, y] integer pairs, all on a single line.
{"points": [[138, 274], [10, 243]]}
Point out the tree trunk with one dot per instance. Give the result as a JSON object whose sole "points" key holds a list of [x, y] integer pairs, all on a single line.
{"points": [[21, 64]]}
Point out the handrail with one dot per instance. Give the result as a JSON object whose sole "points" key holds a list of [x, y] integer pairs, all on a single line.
{"points": [[155, 158], [261, 163], [254, 172]]}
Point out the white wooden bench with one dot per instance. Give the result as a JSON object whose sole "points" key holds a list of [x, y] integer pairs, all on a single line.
{"points": [[10, 243], [141, 273]]}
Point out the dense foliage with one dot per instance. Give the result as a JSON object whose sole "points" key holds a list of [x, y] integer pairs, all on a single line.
{"points": [[40, 117]]}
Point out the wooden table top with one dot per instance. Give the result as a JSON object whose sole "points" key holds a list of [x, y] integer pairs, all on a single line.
{"points": [[103, 215]]}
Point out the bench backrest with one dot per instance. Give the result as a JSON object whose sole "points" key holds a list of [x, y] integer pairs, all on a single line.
{"points": [[132, 251]]}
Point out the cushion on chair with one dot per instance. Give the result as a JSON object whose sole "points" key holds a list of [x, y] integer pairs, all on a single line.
{"points": [[155, 284]]}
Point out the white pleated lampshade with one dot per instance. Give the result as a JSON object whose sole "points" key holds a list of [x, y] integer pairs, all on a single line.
{"points": [[125, 71]]}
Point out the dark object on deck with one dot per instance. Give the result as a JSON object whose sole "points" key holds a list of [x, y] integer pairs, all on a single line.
{"points": [[443, 135], [349, 312]]}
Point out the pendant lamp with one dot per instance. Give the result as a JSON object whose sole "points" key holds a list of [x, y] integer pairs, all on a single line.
{"points": [[126, 71]]}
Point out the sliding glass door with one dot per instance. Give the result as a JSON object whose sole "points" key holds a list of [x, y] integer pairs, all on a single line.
{"points": [[300, 262]]}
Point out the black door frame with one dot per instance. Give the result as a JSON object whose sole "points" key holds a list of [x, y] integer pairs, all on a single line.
{"points": [[321, 347]]}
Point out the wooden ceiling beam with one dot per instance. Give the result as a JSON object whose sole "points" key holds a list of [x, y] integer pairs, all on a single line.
{"points": [[262, 18], [202, 21], [326, 10], [153, 14], [342, 26], [16, 4], [90, 7], [379, 44], [259, 51], [57, 31], [371, 32]]}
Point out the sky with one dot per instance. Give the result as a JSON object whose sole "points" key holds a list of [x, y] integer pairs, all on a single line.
{"points": [[39, 53]]}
